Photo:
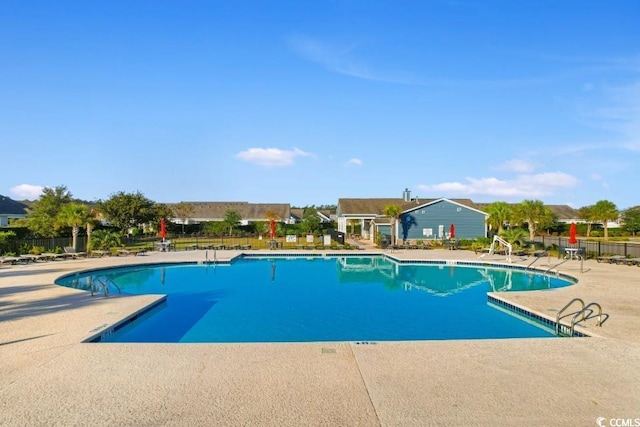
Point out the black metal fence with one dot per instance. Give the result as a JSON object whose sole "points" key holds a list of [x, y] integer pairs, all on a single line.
{"points": [[592, 249]]}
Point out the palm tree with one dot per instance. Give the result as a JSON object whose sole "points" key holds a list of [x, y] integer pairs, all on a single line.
{"points": [[586, 213], [500, 213], [74, 215], [535, 214], [393, 212], [515, 236], [605, 211], [91, 222], [105, 239]]}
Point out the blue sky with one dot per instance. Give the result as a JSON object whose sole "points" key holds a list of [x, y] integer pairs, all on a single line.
{"points": [[307, 102]]}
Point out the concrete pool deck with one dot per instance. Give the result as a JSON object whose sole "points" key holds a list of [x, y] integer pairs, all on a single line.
{"points": [[48, 376]]}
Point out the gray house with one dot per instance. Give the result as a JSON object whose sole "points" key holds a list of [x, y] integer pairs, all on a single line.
{"points": [[11, 209], [249, 212], [421, 219], [434, 219]]}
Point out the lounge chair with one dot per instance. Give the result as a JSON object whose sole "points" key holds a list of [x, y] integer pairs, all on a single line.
{"points": [[71, 252], [540, 253], [613, 259], [9, 259], [100, 253], [32, 258], [52, 256], [126, 252]]}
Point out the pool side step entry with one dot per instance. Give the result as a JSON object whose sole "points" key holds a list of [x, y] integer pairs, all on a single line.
{"points": [[585, 312]]}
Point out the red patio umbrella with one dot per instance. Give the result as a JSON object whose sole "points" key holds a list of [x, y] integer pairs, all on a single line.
{"points": [[163, 229], [572, 234], [272, 228], [452, 231]]}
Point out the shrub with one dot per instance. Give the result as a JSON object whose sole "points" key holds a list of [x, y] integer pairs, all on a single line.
{"points": [[5, 238]]}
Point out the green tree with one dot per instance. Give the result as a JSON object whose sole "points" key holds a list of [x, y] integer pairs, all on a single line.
{"points": [[183, 211], [393, 212], [5, 238], [105, 240], [352, 222], [586, 213], [535, 214], [605, 211], [126, 210], [310, 220], [500, 213], [631, 220], [232, 219], [516, 236], [74, 215], [42, 216]]}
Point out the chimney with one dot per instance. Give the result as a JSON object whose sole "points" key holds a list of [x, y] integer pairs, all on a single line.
{"points": [[406, 195]]}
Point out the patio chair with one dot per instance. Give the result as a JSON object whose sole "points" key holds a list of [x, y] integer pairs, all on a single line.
{"points": [[73, 253]]}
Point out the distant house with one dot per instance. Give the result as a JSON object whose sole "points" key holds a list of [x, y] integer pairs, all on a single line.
{"points": [[249, 212], [419, 219], [324, 215], [11, 209]]}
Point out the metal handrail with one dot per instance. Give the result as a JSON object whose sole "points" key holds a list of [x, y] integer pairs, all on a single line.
{"points": [[564, 308], [556, 265], [583, 311], [532, 262]]}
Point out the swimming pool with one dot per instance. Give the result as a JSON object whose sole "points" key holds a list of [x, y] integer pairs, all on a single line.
{"points": [[319, 299]]}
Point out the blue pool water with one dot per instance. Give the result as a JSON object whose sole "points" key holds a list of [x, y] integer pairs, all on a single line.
{"points": [[319, 299]]}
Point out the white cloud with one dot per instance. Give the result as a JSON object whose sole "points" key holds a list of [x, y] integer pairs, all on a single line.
{"points": [[271, 157], [355, 162], [536, 185], [26, 191], [516, 165], [341, 59]]}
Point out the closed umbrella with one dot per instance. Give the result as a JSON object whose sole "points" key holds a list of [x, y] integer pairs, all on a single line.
{"points": [[272, 228], [163, 229], [452, 231], [572, 234]]}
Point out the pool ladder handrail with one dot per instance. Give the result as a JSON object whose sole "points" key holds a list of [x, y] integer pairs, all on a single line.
{"points": [[556, 265], [581, 311], [103, 286]]}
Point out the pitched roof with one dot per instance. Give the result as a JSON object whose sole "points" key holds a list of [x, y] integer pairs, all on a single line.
{"points": [[11, 207], [366, 206], [248, 211], [422, 202], [564, 211], [376, 206]]}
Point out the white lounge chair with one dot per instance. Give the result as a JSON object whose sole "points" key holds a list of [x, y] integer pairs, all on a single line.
{"points": [[9, 259]]}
